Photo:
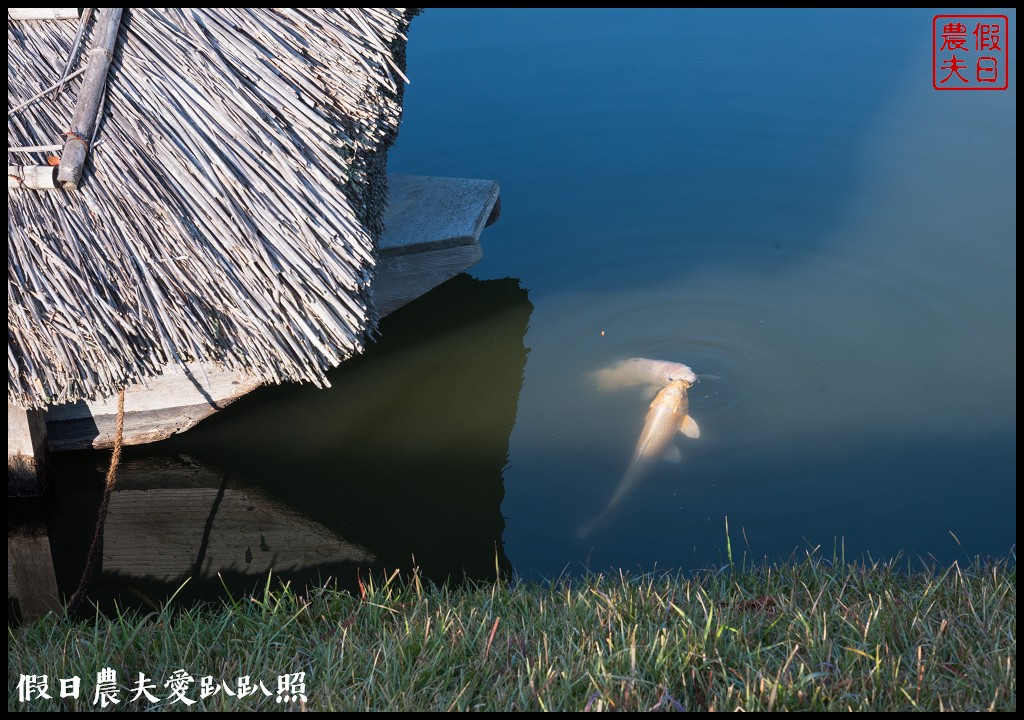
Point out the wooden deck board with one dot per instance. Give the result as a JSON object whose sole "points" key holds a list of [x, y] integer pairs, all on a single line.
{"points": [[163, 406], [430, 213], [432, 230]]}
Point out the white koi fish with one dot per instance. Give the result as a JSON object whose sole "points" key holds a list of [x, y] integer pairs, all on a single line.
{"points": [[641, 371], [668, 415]]}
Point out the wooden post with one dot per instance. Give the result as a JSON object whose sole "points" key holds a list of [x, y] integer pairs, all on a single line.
{"points": [[26, 452], [86, 111]]}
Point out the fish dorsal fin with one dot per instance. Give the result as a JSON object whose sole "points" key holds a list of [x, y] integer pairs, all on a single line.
{"points": [[672, 454], [689, 427]]}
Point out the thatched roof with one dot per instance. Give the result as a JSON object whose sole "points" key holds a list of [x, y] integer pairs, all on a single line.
{"points": [[230, 204]]}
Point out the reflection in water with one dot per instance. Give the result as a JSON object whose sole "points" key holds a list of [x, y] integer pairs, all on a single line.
{"points": [[399, 464], [30, 572]]}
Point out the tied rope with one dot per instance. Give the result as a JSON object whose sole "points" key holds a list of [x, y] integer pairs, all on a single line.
{"points": [[97, 539]]}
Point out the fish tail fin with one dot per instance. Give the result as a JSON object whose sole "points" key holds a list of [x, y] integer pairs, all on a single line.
{"points": [[636, 468]]}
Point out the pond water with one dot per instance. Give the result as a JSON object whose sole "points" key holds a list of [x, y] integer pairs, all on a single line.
{"points": [[779, 200]]}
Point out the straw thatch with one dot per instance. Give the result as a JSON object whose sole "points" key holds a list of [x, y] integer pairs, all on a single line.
{"points": [[231, 201]]}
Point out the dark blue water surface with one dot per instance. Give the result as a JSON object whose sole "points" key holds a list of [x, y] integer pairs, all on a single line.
{"points": [[780, 200]]}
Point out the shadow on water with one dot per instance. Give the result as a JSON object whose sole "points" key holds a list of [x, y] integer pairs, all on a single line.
{"points": [[398, 465]]}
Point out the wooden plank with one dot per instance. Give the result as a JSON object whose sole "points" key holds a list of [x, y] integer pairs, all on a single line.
{"points": [[431, 213], [163, 406], [432, 233], [403, 278], [26, 452]]}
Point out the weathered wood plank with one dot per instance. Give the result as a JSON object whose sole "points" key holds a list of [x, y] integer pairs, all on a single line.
{"points": [[431, 213], [403, 278], [432, 233], [163, 406]]}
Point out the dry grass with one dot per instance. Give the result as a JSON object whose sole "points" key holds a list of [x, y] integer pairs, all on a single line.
{"points": [[231, 203]]}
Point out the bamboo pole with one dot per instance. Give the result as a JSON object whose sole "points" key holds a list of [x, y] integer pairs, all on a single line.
{"points": [[86, 111], [33, 177], [42, 14]]}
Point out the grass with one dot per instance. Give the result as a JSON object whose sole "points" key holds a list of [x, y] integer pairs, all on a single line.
{"points": [[811, 635]]}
